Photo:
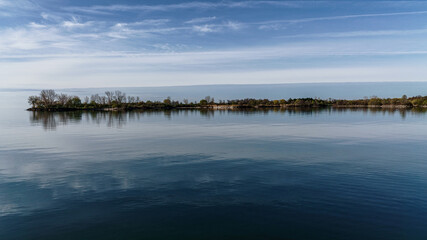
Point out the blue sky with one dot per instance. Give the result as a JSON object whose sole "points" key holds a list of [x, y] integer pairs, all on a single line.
{"points": [[59, 44]]}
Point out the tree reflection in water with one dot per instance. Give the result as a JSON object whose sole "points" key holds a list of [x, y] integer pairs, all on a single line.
{"points": [[117, 119]]}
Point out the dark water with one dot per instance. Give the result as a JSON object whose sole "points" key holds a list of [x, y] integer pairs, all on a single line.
{"points": [[295, 174]]}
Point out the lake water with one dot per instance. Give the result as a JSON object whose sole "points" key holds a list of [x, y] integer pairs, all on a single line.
{"points": [[294, 174]]}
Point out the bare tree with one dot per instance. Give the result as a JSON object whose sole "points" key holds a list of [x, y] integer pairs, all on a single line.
{"points": [[110, 96], [34, 101], [103, 100], [208, 99], [131, 99], [48, 97], [120, 97], [63, 99], [95, 98]]}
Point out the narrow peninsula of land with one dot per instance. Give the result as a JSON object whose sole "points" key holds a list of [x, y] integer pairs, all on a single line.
{"points": [[49, 100]]}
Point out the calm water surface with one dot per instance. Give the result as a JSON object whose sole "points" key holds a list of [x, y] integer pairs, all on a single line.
{"points": [[296, 174]]}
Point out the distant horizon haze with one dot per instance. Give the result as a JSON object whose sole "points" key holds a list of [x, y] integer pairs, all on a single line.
{"points": [[259, 91]]}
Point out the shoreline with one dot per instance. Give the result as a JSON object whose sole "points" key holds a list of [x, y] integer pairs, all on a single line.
{"points": [[49, 100], [221, 107]]}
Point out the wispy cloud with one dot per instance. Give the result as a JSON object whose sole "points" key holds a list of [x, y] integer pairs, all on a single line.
{"points": [[9, 8], [180, 6], [342, 48], [233, 25], [359, 34], [107, 68], [304, 20], [209, 28], [146, 22], [201, 20], [130, 30], [152, 22], [36, 37], [131, 72], [36, 25], [75, 23], [205, 28]]}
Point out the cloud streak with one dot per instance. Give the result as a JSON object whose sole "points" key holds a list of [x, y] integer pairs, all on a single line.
{"points": [[260, 55], [10, 8], [305, 20], [359, 34], [209, 28], [99, 9], [101, 72], [200, 20], [75, 23]]}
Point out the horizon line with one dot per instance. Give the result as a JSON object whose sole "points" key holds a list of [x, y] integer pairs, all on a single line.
{"points": [[211, 85]]}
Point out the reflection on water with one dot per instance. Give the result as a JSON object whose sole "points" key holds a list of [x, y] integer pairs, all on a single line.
{"points": [[258, 174], [50, 120]]}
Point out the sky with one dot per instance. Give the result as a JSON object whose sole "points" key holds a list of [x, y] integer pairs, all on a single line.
{"points": [[129, 43]]}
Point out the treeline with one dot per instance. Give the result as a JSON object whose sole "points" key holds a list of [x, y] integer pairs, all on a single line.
{"points": [[49, 100], [404, 101]]}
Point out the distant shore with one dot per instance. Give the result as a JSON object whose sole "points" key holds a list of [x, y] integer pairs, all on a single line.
{"points": [[215, 107], [49, 100]]}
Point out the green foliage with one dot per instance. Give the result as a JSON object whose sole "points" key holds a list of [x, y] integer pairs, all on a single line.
{"points": [[75, 101], [375, 101]]}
